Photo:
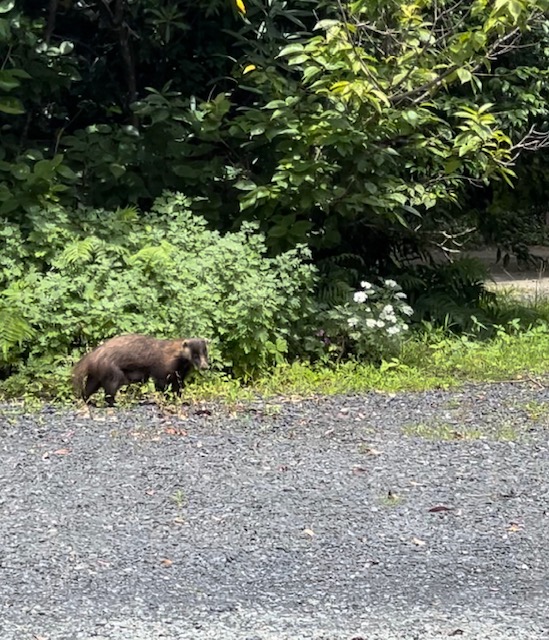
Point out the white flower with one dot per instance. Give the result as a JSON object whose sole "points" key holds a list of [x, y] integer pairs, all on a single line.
{"points": [[352, 322], [400, 295], [407, 309], [371, 323], [380, 324], [365, 284], [388, 313], [404, 326], [391, 283], [393, 330], [360, 296]]}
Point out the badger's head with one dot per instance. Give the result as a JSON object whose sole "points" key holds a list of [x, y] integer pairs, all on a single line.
{"points": [[195, 350]]}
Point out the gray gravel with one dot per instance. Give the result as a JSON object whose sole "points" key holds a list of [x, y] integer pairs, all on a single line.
{"points": [[280, 520]]}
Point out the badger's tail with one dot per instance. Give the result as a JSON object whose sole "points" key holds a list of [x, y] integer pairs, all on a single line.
{"points": [[79, 374]]}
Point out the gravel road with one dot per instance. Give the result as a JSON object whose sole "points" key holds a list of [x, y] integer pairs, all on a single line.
{"points": [[408, 516]]}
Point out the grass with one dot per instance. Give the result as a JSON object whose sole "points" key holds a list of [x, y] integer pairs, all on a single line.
{"points": [[179, 498], [428, 360], [425, 362], [506, 432], [441, 432], [535, 410]]}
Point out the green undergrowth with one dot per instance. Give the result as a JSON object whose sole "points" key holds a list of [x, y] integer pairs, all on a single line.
{"points": [[427, 361], [422, 365]]}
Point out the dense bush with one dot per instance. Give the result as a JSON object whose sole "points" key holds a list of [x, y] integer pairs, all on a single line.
{"points": [[71, 281]]}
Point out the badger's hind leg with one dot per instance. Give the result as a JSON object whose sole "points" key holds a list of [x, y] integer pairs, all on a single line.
{"points": [[112, 381], [91, 386]]}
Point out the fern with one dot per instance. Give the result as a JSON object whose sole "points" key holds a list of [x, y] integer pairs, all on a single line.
{"points": [[451, 294], [14, 330], [337, 275], [79, 252], [154, 256]]}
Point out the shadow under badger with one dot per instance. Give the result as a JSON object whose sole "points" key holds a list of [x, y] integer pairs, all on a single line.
{"points": [[136, 358]]}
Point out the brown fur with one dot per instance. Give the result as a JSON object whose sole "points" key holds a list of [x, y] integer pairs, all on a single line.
{"points": [[136, 358]]}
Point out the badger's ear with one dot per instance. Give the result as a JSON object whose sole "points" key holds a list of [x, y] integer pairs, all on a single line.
{"points": [[184, 344]]}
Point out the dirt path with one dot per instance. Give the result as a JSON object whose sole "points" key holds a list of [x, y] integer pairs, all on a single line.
{"points": [[529, 283]]}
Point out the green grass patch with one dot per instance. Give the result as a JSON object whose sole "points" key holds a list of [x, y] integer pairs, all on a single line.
{"points": [[441, 431], [442, 362], [427, 361], [506, 432], [535, 410]]}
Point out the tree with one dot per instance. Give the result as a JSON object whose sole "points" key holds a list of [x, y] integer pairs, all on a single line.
{"points": [[370, 140]]}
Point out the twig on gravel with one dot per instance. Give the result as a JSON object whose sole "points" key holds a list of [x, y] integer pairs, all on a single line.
{"points": [[528, 378], [537, 382]]}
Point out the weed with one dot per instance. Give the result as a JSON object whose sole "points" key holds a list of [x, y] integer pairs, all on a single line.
{"points": [[508, 432], [179, 497], [443, 431], [428, 359], [535, 410], [391, 499], [272, 409]]}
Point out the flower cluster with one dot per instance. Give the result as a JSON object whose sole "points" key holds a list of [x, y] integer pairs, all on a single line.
{"points": [[371, 325]]}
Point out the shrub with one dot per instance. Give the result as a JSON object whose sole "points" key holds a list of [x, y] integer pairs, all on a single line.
{"points": [[370, 326], [94, 274]]}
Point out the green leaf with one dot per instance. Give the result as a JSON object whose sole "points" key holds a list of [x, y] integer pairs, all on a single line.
{"points": [[67, 172], [326, 24], [464, 75], [185, 170], [117, 170], [275, 104], [300, 229], [6, 5], [20, 171], [411, 117], [291, 49], [8, 81], [11, 105], [298, 59], [398, 197], [310, 72], [44, 169], [66, 47]]}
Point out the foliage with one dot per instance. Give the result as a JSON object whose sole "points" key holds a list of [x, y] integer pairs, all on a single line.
{"points": [[372, 132], [511, 353], [70, 75], [14, 330], [452, 294], [433, 359], [33, 80], [369, 327], [352, 136], [163, 273], [380, 126]]}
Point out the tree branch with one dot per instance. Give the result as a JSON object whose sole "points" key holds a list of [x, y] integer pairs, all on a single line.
{"points": [[532, 141], [367, 71], [121, 27], [502, 45], [50, 24]]}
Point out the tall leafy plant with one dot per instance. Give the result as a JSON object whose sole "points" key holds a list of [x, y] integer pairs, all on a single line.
{"points": [[378, 124], [164, 273]]}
